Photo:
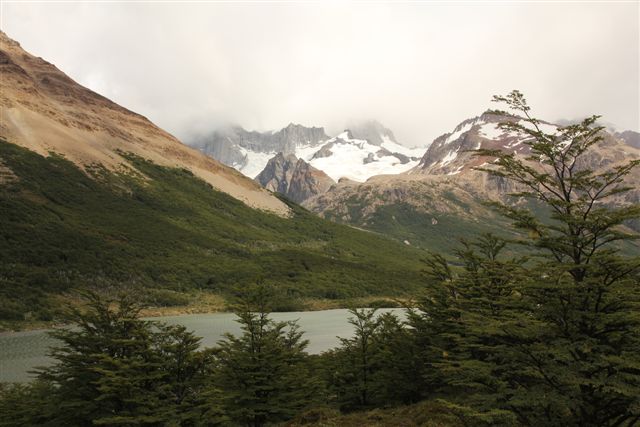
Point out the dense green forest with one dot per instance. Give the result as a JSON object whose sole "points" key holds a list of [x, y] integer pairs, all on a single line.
{"points": [[170, 233], [547, 339]]}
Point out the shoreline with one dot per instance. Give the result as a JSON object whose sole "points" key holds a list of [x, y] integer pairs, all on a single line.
{"points": [[212, 303]]}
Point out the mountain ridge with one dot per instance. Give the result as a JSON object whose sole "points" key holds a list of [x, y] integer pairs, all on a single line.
{"points": [[367, 150]]}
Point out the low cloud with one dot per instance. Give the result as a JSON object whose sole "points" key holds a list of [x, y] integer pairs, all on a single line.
{"points": [[419, 68]]}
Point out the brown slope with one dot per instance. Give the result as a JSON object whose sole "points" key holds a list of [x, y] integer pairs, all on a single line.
{"points": [[45, 111]]}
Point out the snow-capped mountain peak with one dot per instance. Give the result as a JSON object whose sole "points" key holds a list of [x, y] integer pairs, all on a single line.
{"points": [[451, 153], [366, 150], [358, 159]]}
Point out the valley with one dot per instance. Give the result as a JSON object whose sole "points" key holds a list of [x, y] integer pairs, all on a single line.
{"points": [[281, 214]]}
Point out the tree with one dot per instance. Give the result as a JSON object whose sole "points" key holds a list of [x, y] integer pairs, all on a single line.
{"points": [[552, 339], [458, 324], [375, 367], [396, 364], [582, 361], [351, 365], [264, 373], [577, 344], [112, 368], [27, 404]]}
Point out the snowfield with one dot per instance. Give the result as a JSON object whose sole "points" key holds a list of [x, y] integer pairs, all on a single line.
{"points": [[348, 159], [351, 158], [254, 162]]}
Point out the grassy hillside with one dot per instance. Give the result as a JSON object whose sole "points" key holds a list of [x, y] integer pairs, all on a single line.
{"points": [[169, 231], [428, 227], [424, 227]]}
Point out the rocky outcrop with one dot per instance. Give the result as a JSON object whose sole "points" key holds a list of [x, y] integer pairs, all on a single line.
{"points": [[294, 178], [324, 151]]}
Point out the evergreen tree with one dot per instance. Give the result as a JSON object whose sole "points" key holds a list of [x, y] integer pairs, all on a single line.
{"points": [[577, 346], [264, 373], [27, 404], [377, 366], [554, 339], [351, 365], [459, 324], [396, 364], [113, 368]]}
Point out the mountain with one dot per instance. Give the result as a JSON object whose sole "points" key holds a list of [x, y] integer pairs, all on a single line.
{"points": [[249, 151], [443, 197], [452, 153], [370, 149], [46, 111], [630, 137], [95, 196], [293, 178], [346, 156]]}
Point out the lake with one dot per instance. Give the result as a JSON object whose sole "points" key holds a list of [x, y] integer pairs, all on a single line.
{"points": [[20, 352]]}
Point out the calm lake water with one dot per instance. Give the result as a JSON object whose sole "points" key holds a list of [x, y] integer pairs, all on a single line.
{"points": [[20, 352]]}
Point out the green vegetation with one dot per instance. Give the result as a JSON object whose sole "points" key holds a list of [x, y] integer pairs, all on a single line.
{"points": [[168, 232], [403, 221], [406, 222], [260, 371], [116, 369], [553, 341], [546, 339]]}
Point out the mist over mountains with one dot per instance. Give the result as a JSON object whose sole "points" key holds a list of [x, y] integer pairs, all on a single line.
{"points": [[365, 150]]}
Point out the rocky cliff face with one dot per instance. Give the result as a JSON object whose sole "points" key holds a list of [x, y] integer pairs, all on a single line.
{"points": [[453, 154], [46, 111], [238, 147], [294, 178], [373, 152]]}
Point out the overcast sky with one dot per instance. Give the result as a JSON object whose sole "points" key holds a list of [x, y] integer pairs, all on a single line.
{"points": [[419, 68]]}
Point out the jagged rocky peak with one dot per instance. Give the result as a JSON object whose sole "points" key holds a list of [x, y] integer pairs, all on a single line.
{"points": [[293, 177], [223, 144], [360, 153], [295, 135], [248, 151], [452, 153]]}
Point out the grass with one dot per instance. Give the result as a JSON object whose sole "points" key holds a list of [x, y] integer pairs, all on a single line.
{"points": [[174, 237]]}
